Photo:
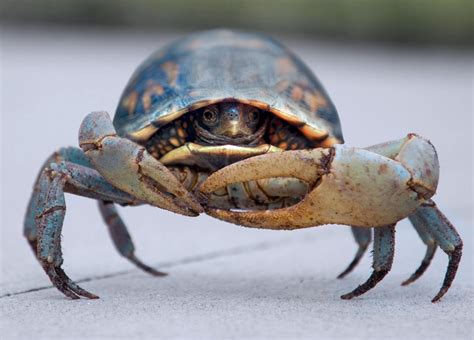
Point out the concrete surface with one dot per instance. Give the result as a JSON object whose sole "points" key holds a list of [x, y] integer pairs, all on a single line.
{"points": [[228, 281]]}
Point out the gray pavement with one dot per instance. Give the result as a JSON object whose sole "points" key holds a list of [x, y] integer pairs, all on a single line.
{"points": [[227, 281]]}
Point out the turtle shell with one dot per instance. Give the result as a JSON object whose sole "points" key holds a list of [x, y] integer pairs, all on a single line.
{"points": [[223, 65]]}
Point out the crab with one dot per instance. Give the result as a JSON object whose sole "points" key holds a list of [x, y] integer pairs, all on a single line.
{"points": [[234, 125]]}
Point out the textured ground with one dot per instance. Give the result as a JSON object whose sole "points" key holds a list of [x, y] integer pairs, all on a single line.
{"points": [[228, 281]]}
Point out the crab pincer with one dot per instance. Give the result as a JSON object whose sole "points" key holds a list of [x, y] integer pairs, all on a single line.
{"points": [[374, 187], [129, 167], [348, 186]]}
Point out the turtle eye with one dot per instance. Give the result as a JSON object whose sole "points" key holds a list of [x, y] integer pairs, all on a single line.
{"points": [[209, 116], [254, 115]]}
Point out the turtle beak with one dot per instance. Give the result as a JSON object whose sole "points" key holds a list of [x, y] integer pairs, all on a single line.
{"points": [[233, 124], [234, 129]]}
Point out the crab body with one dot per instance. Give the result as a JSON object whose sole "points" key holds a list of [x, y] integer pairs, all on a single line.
{"points": [[234, 125]]}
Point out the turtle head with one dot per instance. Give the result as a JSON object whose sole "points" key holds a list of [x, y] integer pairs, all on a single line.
{"points": [[230, 123]]}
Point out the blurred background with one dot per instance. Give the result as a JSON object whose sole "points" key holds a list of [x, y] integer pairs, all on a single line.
{"points": [[402, 21], [390, 67]]}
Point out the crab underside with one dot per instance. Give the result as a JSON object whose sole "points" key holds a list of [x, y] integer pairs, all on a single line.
{"points": [[262, 187]]}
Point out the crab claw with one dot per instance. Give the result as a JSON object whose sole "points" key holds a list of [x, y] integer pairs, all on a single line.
{"points": [[129, 167], [348, 186]]}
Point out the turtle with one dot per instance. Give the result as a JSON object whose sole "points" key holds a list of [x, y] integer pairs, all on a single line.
{"points": [[234, 125]]}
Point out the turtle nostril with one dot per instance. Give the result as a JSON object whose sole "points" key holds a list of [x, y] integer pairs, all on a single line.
{"points": [[233, 115]]}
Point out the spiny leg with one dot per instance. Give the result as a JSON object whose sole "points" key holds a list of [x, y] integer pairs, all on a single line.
{"points": [[363, 237], [121, 237], [77, 156], [51, 209], [384, 248], [445, 236], [46, 211], [431, 246], [69, 154]]}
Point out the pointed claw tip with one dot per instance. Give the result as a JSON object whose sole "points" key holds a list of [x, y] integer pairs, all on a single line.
{"points": [[199, 209], [407, 282], [81, 292], [159, 274], [191, 206], [156, 273], [344, 273], [347, 296], [86, 294], [438, 296], [190, 203], [347, 271], [144, 267], [186, 210], [193, 213]]}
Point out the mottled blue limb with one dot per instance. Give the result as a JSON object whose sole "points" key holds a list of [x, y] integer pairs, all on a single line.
{"points": [[431, 247], [47, 207], [51, 209], [384, 249], [70, 154], [88, 183], [363, 237], [84, 182], [433, 220], [121, 237]]}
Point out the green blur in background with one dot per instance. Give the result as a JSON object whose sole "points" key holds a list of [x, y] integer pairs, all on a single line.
{"points": [[398, 21]]}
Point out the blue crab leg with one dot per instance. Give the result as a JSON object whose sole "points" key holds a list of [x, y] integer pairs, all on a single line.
{"points": [[391, 150], [56, 275], [430, 243], [121, 237], [129, 167], [50, 212], [432, 227], [71, 154], [77, 156], [84, 181], [80, 181], [363, 237], [446, 236], [384, 249], [46, 211]]}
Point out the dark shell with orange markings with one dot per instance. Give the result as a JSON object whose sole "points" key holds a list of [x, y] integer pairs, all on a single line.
{"points": [[220, 65]]}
